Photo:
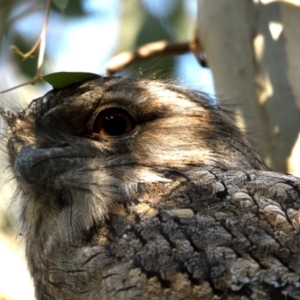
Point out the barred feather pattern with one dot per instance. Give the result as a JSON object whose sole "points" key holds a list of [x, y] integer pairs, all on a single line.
{"points": [[180, 208]]}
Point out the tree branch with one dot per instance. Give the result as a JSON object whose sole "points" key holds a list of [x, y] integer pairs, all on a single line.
{"points": [[124, 59]]}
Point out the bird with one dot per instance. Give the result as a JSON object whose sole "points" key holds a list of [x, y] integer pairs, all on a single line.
{"points": [[139, 189]]}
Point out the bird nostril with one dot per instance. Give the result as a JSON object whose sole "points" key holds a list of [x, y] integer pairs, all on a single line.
{"points": [[35, 165], [62, 144]]}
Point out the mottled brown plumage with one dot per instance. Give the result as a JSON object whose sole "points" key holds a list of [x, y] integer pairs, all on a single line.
{"points": [[143, 190]]}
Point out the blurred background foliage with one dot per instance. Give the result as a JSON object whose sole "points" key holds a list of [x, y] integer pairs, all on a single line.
{"points": [[81, 38], [117, 26]]}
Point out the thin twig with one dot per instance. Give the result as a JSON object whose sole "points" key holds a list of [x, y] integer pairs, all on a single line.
{"points": [[32, 50], [41, 42], [124, 59], [43, 39]]}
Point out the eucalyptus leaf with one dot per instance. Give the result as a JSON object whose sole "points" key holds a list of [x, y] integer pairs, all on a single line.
{"points": [[61, 4], [60, 80]]}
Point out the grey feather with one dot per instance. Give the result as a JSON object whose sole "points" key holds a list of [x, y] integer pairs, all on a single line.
{"points": [[181, 207]]}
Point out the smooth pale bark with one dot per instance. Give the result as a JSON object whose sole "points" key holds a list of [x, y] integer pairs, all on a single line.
{"points": [[253, 50]]}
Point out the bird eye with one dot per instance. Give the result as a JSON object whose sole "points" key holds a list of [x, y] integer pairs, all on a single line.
{"points": [[114, 122]]}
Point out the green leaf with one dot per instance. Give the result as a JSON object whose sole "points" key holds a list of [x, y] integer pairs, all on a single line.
{"points": [[61, 4], [60, 80]]}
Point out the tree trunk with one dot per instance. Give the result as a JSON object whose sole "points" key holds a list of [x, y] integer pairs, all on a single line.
{"points": [[253, 50]]}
